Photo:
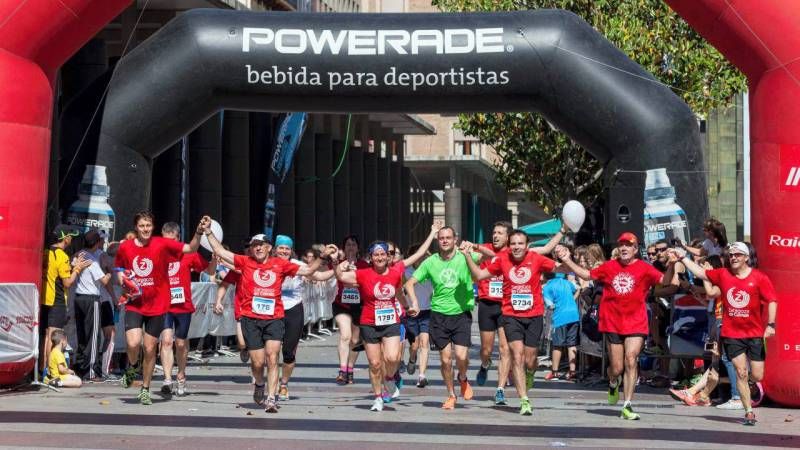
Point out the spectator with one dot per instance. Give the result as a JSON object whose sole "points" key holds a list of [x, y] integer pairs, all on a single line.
{"points": [[559, 295], [716, 239], [91, 281], [58, 374], [58, 278]]}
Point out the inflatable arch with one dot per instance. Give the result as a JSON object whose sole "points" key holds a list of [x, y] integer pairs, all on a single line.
{"points": [[763, 40], [545, 61]]}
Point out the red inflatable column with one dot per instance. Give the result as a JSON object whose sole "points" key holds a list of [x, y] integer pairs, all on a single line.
{"points": [[763, 39]]}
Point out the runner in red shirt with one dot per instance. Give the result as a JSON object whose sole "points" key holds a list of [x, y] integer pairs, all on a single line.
{"points": [[522, 305], [623, 315], [147, 258], [261, 308], [347, 311], [233, 278], [746, 291], [490, 298], [179, 316]]}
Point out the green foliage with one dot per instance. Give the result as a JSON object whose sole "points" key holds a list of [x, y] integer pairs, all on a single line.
{"points": [[546, 164]]}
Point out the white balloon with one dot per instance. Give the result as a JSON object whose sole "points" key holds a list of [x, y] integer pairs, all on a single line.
{"points": [[573, 215], [216, 229]]}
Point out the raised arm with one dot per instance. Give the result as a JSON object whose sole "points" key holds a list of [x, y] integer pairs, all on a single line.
{"points": [[312, 267], [344, 274], [478, 274], [203, 227], [679, 254], [563, 254], [423, 249], [551, 244], [224, 254]]}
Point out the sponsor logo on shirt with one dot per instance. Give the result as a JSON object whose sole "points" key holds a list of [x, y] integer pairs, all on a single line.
{"points": [[449, 278], [174, 267], [623, 283], [142, 267], [519, 275], [383, 291], [737, 298], [264, 278]]}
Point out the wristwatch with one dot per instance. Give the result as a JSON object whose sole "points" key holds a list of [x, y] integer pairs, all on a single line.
{"points": [[771, 324]]}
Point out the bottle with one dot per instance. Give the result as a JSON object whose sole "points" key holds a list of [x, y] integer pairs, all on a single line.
{"points": [[663, 218], [91, 210]]}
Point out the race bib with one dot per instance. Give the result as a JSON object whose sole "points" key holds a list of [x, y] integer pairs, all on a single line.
{"points": [[385, 316], [351, 296], [521, 302], [176, 295], [263, 306], [496, 289]]}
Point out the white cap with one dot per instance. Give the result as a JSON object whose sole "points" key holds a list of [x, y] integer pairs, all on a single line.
{"points": [[259, 238], [739, 247]]}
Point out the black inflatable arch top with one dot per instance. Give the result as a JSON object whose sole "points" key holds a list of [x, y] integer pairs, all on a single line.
{"points": [[549, 61]]}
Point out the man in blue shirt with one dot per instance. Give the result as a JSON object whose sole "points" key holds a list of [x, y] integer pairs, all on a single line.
{"points": [[559, 295]]}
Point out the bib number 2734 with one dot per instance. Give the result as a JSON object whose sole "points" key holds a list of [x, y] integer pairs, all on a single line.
{"points": [[521, 302]]}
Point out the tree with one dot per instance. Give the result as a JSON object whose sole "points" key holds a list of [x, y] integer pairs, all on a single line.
{"points": [[548, 165]]}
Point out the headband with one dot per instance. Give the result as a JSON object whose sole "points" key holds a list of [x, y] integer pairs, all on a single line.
{"points": [[377, 245]]}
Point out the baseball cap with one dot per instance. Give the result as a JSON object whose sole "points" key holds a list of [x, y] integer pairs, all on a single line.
{"points": [[259, 238], [739, 247], [61, 231], [628, 237]]}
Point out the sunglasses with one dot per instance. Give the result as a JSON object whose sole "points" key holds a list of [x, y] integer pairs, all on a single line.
{"points": [[652, 253], [661, 249], [736, 255]]}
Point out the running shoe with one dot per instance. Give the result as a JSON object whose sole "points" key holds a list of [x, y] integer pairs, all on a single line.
{"points": [[628, 414], [466, 389], [680, 394], [377, 405], [549, 377], [341, 379], [690, 400], [398, 384], [387, 398], [749, 419], [166, 388], [731, 404], [525, 407], [702, 401], [181, 388], [450, 403], [422, 381], [144, 397], [350, 378], [244, 356], [500, 397], [613, 394], [411, 367], [129, 376], [258, 395], [271, 406], [483, 374], [528, 379], [570, 376], [283, 393]]}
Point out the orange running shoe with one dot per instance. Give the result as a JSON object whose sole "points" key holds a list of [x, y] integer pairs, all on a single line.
{"points": [[450, 403], [466, 389]]}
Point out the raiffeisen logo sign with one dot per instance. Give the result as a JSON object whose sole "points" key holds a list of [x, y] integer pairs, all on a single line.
{"points": [[376, 42], [784, 241]]}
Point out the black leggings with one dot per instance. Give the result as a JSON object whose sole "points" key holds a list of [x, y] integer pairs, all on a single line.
{"points": [[293, 325]]}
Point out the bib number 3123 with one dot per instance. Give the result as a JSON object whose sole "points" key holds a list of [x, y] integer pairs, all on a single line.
{"points": [[264, 306]]}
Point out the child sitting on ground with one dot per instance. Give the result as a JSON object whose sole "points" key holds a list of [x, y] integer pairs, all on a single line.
{"points": [[58, 374], [559, 295]]}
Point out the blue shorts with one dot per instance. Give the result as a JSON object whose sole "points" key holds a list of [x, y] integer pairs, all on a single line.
{"points": [[180, 322], [565, 335], [418, 325]]}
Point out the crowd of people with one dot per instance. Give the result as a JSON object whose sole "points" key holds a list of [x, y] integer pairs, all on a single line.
{"points": [[384, 298]]}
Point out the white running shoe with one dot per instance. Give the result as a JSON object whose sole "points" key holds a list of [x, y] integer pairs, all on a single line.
{"points": [[181, 388], [731, 404], [377, 405]]}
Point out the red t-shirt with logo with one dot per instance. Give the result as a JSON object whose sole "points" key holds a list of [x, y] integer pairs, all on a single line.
{"points": [[378, 292], [149, 265], [491, 289], [743, 300], [234, 278], [352, 297], [522, 288], [180, 281], [261, 284], [625, 289]]}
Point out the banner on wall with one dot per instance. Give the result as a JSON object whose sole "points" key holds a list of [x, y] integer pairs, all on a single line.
{"points": [[289, 136]]}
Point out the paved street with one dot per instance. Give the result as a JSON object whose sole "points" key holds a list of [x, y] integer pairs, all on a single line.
{"points": [[220, 413]]}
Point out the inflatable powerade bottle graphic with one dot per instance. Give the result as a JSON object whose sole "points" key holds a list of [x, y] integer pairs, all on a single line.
{"points": [[663, 218], [91, 210]]}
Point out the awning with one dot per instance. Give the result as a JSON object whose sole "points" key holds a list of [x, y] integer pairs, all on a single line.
{"points": [[544, 228]]}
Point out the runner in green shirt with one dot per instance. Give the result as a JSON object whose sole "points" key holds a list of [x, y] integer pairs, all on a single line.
{"points": [[451, 306]]}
